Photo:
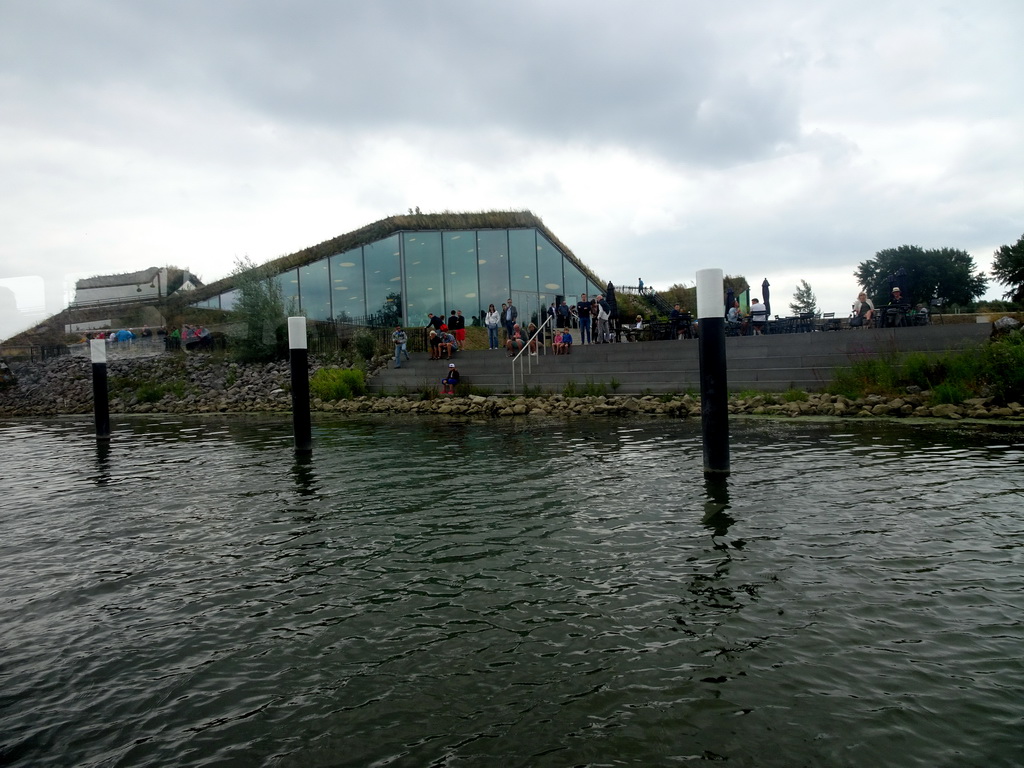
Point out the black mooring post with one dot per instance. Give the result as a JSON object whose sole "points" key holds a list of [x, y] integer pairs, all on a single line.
{"points": [[299, 358], [714, 388], [100, 397]]}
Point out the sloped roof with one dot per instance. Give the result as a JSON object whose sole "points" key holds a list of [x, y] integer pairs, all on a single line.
{"points": [[379, 230], [110, 281]]}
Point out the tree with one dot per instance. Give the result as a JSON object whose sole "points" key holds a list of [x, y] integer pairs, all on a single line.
{"points": [[804, 300], [943, 273], [1008, 269], [259, 330]]}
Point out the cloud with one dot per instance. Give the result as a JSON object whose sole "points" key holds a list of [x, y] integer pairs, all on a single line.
{"points": [[657, 137]]}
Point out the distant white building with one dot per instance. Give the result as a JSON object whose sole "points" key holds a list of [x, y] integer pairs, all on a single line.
{"points": [[147, 285]]}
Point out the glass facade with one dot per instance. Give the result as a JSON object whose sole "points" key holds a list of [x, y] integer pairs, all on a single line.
{"points": [[405, 276], [348, 299]]}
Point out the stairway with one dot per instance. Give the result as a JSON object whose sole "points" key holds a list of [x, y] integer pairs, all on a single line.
{"points": [[764, 363]]}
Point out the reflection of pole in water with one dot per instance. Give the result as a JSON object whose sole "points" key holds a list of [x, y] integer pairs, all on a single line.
{"points": [[102, 463], [302, 472], [716, 488]]}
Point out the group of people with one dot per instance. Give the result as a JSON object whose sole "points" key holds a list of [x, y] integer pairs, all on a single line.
{"points": [[756, 322], [506, 318], [893, 314], [591, 315]]}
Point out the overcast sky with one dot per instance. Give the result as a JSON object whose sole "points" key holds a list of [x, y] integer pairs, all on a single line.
{"points": [[787, 140]]}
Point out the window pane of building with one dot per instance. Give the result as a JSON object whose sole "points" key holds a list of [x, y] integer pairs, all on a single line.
{"points": [[522, 251], [423, 276], [347, 285], [493, 264], [575, 283], [289, 282], [549, 267], [315, 285], [460, 275], [383, 274], [227, 300]]}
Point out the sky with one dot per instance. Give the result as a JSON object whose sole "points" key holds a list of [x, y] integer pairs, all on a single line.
{"points": [[787, 140]]}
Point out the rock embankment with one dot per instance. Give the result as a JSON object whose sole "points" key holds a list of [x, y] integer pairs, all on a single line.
{"points": [[206, 384]]}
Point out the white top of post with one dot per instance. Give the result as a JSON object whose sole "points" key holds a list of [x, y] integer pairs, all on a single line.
{"points": [[98, 351], [296, 333], [710, 300]]}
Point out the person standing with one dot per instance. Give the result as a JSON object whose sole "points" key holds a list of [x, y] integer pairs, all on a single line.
{"points": [[460, 328], [604, 311], [400, 340], [583, 312], [511, 314], [563, 314], [675, 317], [492, 320]]}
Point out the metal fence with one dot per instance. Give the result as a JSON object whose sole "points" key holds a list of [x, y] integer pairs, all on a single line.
{"points": [[33, 352]]}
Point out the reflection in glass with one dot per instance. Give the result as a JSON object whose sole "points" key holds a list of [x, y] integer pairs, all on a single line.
{"points": [[408, 275], [347, 296], [460, 279], [425, 289], [383, 275], [316, 290], [493, 261], [549, 267], [575, 283], [289, 282], [522, 252]]}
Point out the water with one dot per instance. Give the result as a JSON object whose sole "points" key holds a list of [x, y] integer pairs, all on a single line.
{"points": [[424, 593]]}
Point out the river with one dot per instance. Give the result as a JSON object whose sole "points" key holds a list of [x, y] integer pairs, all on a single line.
{"points": [[517, 593]]}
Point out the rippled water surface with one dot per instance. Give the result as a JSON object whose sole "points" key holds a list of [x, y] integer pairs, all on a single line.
{"points": [[425, 593]]}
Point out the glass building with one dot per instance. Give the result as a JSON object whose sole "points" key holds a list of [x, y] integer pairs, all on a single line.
{"points": [[402, 268]]}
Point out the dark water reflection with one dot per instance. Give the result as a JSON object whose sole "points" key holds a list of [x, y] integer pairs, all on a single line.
{"points": [[432, 593]]}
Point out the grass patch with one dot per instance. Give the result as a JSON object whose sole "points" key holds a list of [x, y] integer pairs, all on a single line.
{"points": [[995, 370], [338, 383], [794, 396], [145, 391], [589, 389]]}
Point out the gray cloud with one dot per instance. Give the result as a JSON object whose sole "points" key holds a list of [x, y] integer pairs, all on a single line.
{"points": [[792, 134]]}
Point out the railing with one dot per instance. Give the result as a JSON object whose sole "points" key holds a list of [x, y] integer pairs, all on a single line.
{"points": [[525, 352], [115, 301], [648, 295], [34, 352]]}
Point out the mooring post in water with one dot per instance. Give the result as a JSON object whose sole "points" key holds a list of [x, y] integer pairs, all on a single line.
{"points": [[100, 399], [299, 358], [714, 390]]}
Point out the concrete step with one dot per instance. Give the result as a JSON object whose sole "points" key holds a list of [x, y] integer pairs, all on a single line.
{"points": [[768, 363]]}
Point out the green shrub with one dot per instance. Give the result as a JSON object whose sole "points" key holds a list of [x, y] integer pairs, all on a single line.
{"points": [[365, 345], [465, 389], [920, 370], [338, 383], [949, 392], [591, 388], [1003, 362], [794, 396]]}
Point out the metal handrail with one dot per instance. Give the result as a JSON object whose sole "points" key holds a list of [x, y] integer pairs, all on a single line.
{"points": [[526, 351]]}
